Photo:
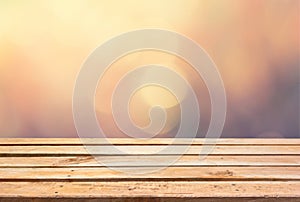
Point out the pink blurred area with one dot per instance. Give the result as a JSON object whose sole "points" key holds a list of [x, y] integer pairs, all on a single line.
{"points": [[254, 43]]}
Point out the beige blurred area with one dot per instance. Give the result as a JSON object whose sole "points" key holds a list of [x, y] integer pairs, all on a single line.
{"points": [[150, 95], [254, 43]]}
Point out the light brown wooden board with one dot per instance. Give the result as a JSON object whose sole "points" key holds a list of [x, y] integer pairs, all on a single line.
{"points": [[171, 173], [236, 170], [186, 160], [151, 189], [149, 150]]}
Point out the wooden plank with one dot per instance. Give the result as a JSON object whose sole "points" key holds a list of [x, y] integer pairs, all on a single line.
{"points": [[151, 189], [148, 150], [90, 161], [252, 169], [170, 173], [157, 141]]}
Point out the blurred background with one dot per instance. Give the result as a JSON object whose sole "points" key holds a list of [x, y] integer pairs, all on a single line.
{"points": [[254, 43]]}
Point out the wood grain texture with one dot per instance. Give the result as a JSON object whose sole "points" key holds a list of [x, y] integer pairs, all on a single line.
{"points": [[151, 189], [170, 173], [148, 150], [186, 160], [236, 170]]}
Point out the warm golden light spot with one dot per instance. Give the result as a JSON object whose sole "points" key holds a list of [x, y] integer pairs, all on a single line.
{"points": [[148, 97]]}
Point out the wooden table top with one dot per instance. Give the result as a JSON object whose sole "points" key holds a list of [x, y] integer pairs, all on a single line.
{"points": [[236, 170]]}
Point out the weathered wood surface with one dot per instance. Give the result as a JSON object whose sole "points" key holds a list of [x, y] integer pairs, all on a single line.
{"points": [[148, 150], [236, 170]]}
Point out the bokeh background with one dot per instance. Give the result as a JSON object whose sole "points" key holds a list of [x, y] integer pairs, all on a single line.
{"points": [[254, 43]]}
